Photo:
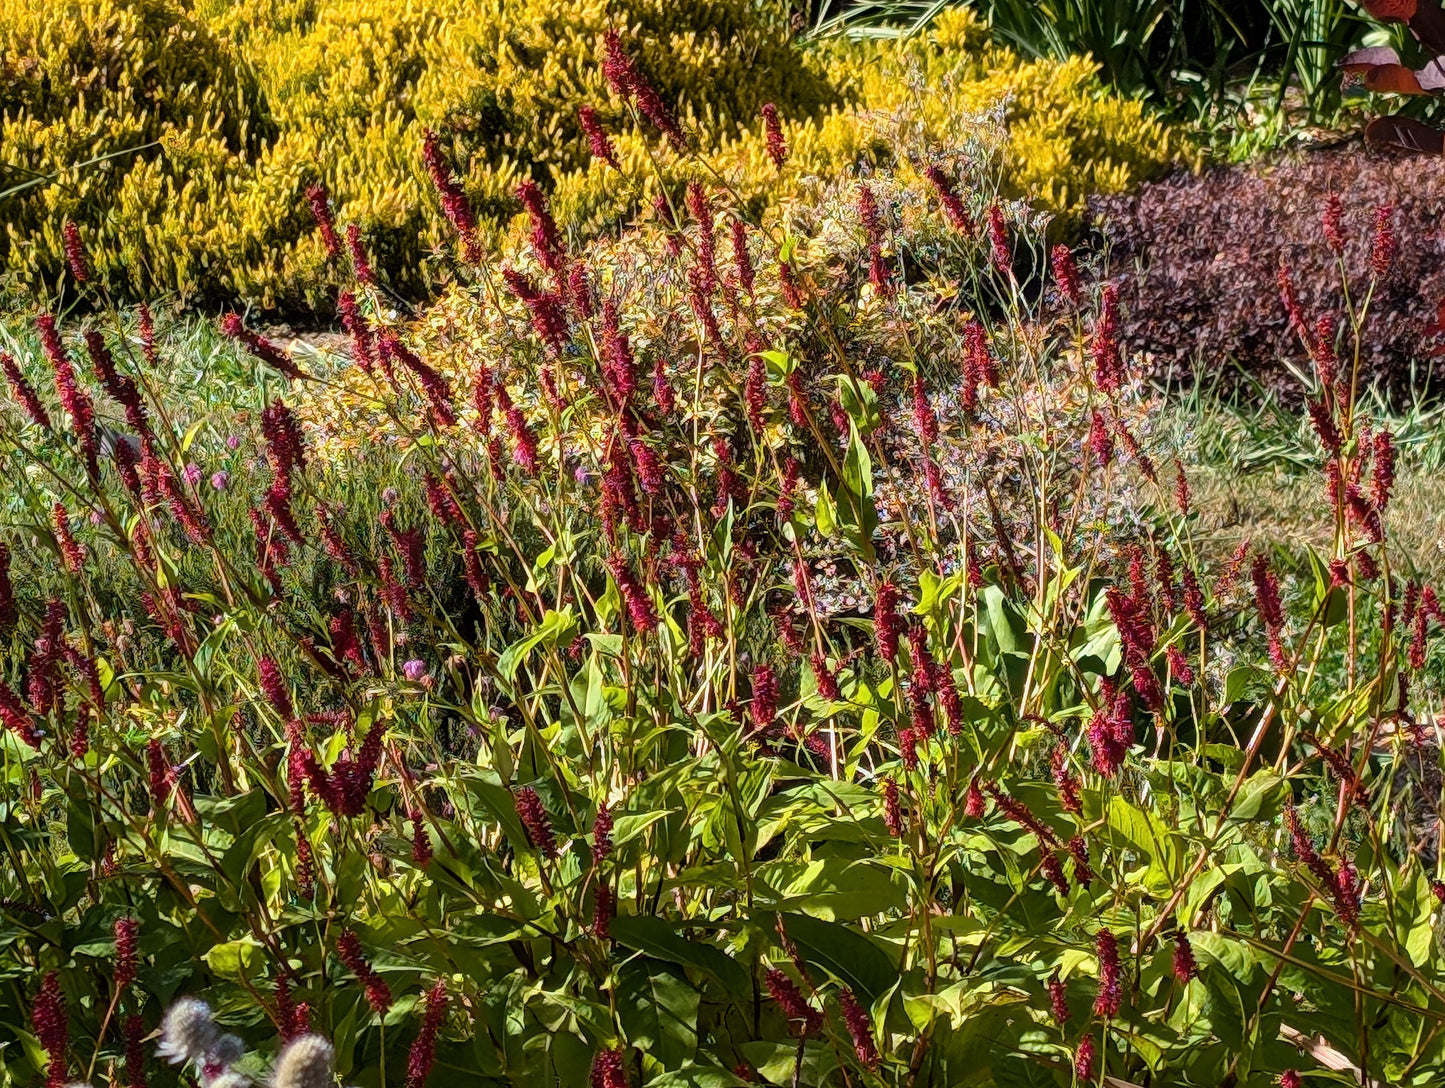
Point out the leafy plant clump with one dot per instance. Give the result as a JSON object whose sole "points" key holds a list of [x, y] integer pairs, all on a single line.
{"points": [[197, 185], [769, 650]]}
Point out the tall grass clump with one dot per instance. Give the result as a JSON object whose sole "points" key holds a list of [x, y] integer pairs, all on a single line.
{"points": [[767, 647]]}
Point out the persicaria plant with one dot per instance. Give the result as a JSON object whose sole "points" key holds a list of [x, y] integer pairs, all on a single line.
{"points": [[767, 647]]}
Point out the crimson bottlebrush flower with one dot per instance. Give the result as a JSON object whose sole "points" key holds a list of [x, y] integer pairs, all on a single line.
{"points": [[999, 250], [618, 366], [162, 776], [924, 418], [1382, 472], [579, 292], [602, 913], [608, 1070], [1066, 275], [278, 505], [1019, 813], [908, 747], [73, 399], [49, 650], [126, 931], [1179, 666], [1084, 1060], [547, 312], [1104, 343], [1079, 851], [1185, 966], [1266, 593], [538, 824], [335, 544], [1058, 1000], [360, 265], [52, 1027], [804, 1019], [824, 677], [1385, 244], [979, 366], [546, 243], [773, 128], [887, 625], [441, 500], [1110, 995], [1290, 1079], [263, 349], [363, 338], [24, 392], [1110, 729], [945, 689], [1064, 781], [763, 708], [344, 644], [437, 389], [75, 252], [597, 138], [70, 552], [650, 472], [273, 687], [476, 577], [755, 393], [283, 437], [305, 866], [410, 545], [421, 851], [788, 284], [1053, 871], [1164, 578], [1130, 614], [973, 806], [378, 994], [120, 387], [952, 204], [1182, 497], [700, 208], [455, 205], [422, 1055], [147, 327], [135, 1055], [1101, 442], [1331, 220], [868, 215], [788, 488], [602, 833], [524, 440], [1324, 426], [1327, 362], [320, 201], [634, 596], [625, 78], [697, 296], [856, 1019], [741, 259], [892, 814]]}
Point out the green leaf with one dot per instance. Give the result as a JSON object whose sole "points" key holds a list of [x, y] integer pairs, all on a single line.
{"points": [[658, 1010], [556, 629], [840, 950], [659, 939]]}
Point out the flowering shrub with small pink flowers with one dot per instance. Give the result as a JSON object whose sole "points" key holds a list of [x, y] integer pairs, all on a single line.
{"points": [[754, 650]]}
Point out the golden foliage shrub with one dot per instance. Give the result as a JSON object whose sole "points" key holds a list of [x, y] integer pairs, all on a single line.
{"points": [[216, 117]]}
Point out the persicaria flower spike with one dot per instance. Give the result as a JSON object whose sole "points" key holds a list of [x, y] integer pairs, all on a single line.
{"points": [[805, 1019], [856, 1019], [607, 1070], [1385, 245], [455, 205], [260, 347], [24, 392], [52, 1027], [75, 252], [378, 994], [597, 138], [773, 128], [628, 81], [1110, 995], [320, 201], [535, 820], [949, 198], [423, 1051]]}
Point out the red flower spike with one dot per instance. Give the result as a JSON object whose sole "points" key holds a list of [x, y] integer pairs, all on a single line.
{"points": [[597, 138], [773, 128], [1106, 1004], [378, 994], [856, 1019], [422, 1055]]}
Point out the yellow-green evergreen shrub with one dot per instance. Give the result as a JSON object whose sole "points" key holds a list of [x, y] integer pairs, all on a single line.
{"points": [[221, 113]]}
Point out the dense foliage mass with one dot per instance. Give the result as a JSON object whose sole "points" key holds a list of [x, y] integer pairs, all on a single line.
{"points": [[183, 138], [1185, 245], [766, 648]]}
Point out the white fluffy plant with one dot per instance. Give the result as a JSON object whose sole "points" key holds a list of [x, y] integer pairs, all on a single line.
{"points": [[189, 1035]]}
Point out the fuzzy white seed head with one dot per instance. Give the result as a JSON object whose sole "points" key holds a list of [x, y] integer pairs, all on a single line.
{"points": [[231, 1080], [305, 1063], [188, 1032], [226, 1052]]}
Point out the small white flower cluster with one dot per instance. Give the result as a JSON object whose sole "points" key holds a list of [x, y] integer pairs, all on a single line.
{"points": [[189, 1034]]}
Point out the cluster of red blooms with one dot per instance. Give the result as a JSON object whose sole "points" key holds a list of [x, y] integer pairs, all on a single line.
{"points": [[75, 255], [320, 202], [455, 205], [535, 820], [773, 128], [629, 83], [1340, 885], [52, 1028], [263, 349], [378, 994], [807, 1020], [293, 1017], [608, 1070], [343, 789], [1106, 1004], [73, 398], [422, 1055], [872, 221]]}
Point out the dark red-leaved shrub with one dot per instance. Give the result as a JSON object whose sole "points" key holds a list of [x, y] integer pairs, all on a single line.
{"points": [[1197, 261]]}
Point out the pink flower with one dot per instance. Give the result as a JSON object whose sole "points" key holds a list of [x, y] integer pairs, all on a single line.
{"points": [[1110, 995], [597, 138], [378, 994], [422, 1055], [535, 820], [52, 1027], [75, 252], [777, 146], [856, 1019]]}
